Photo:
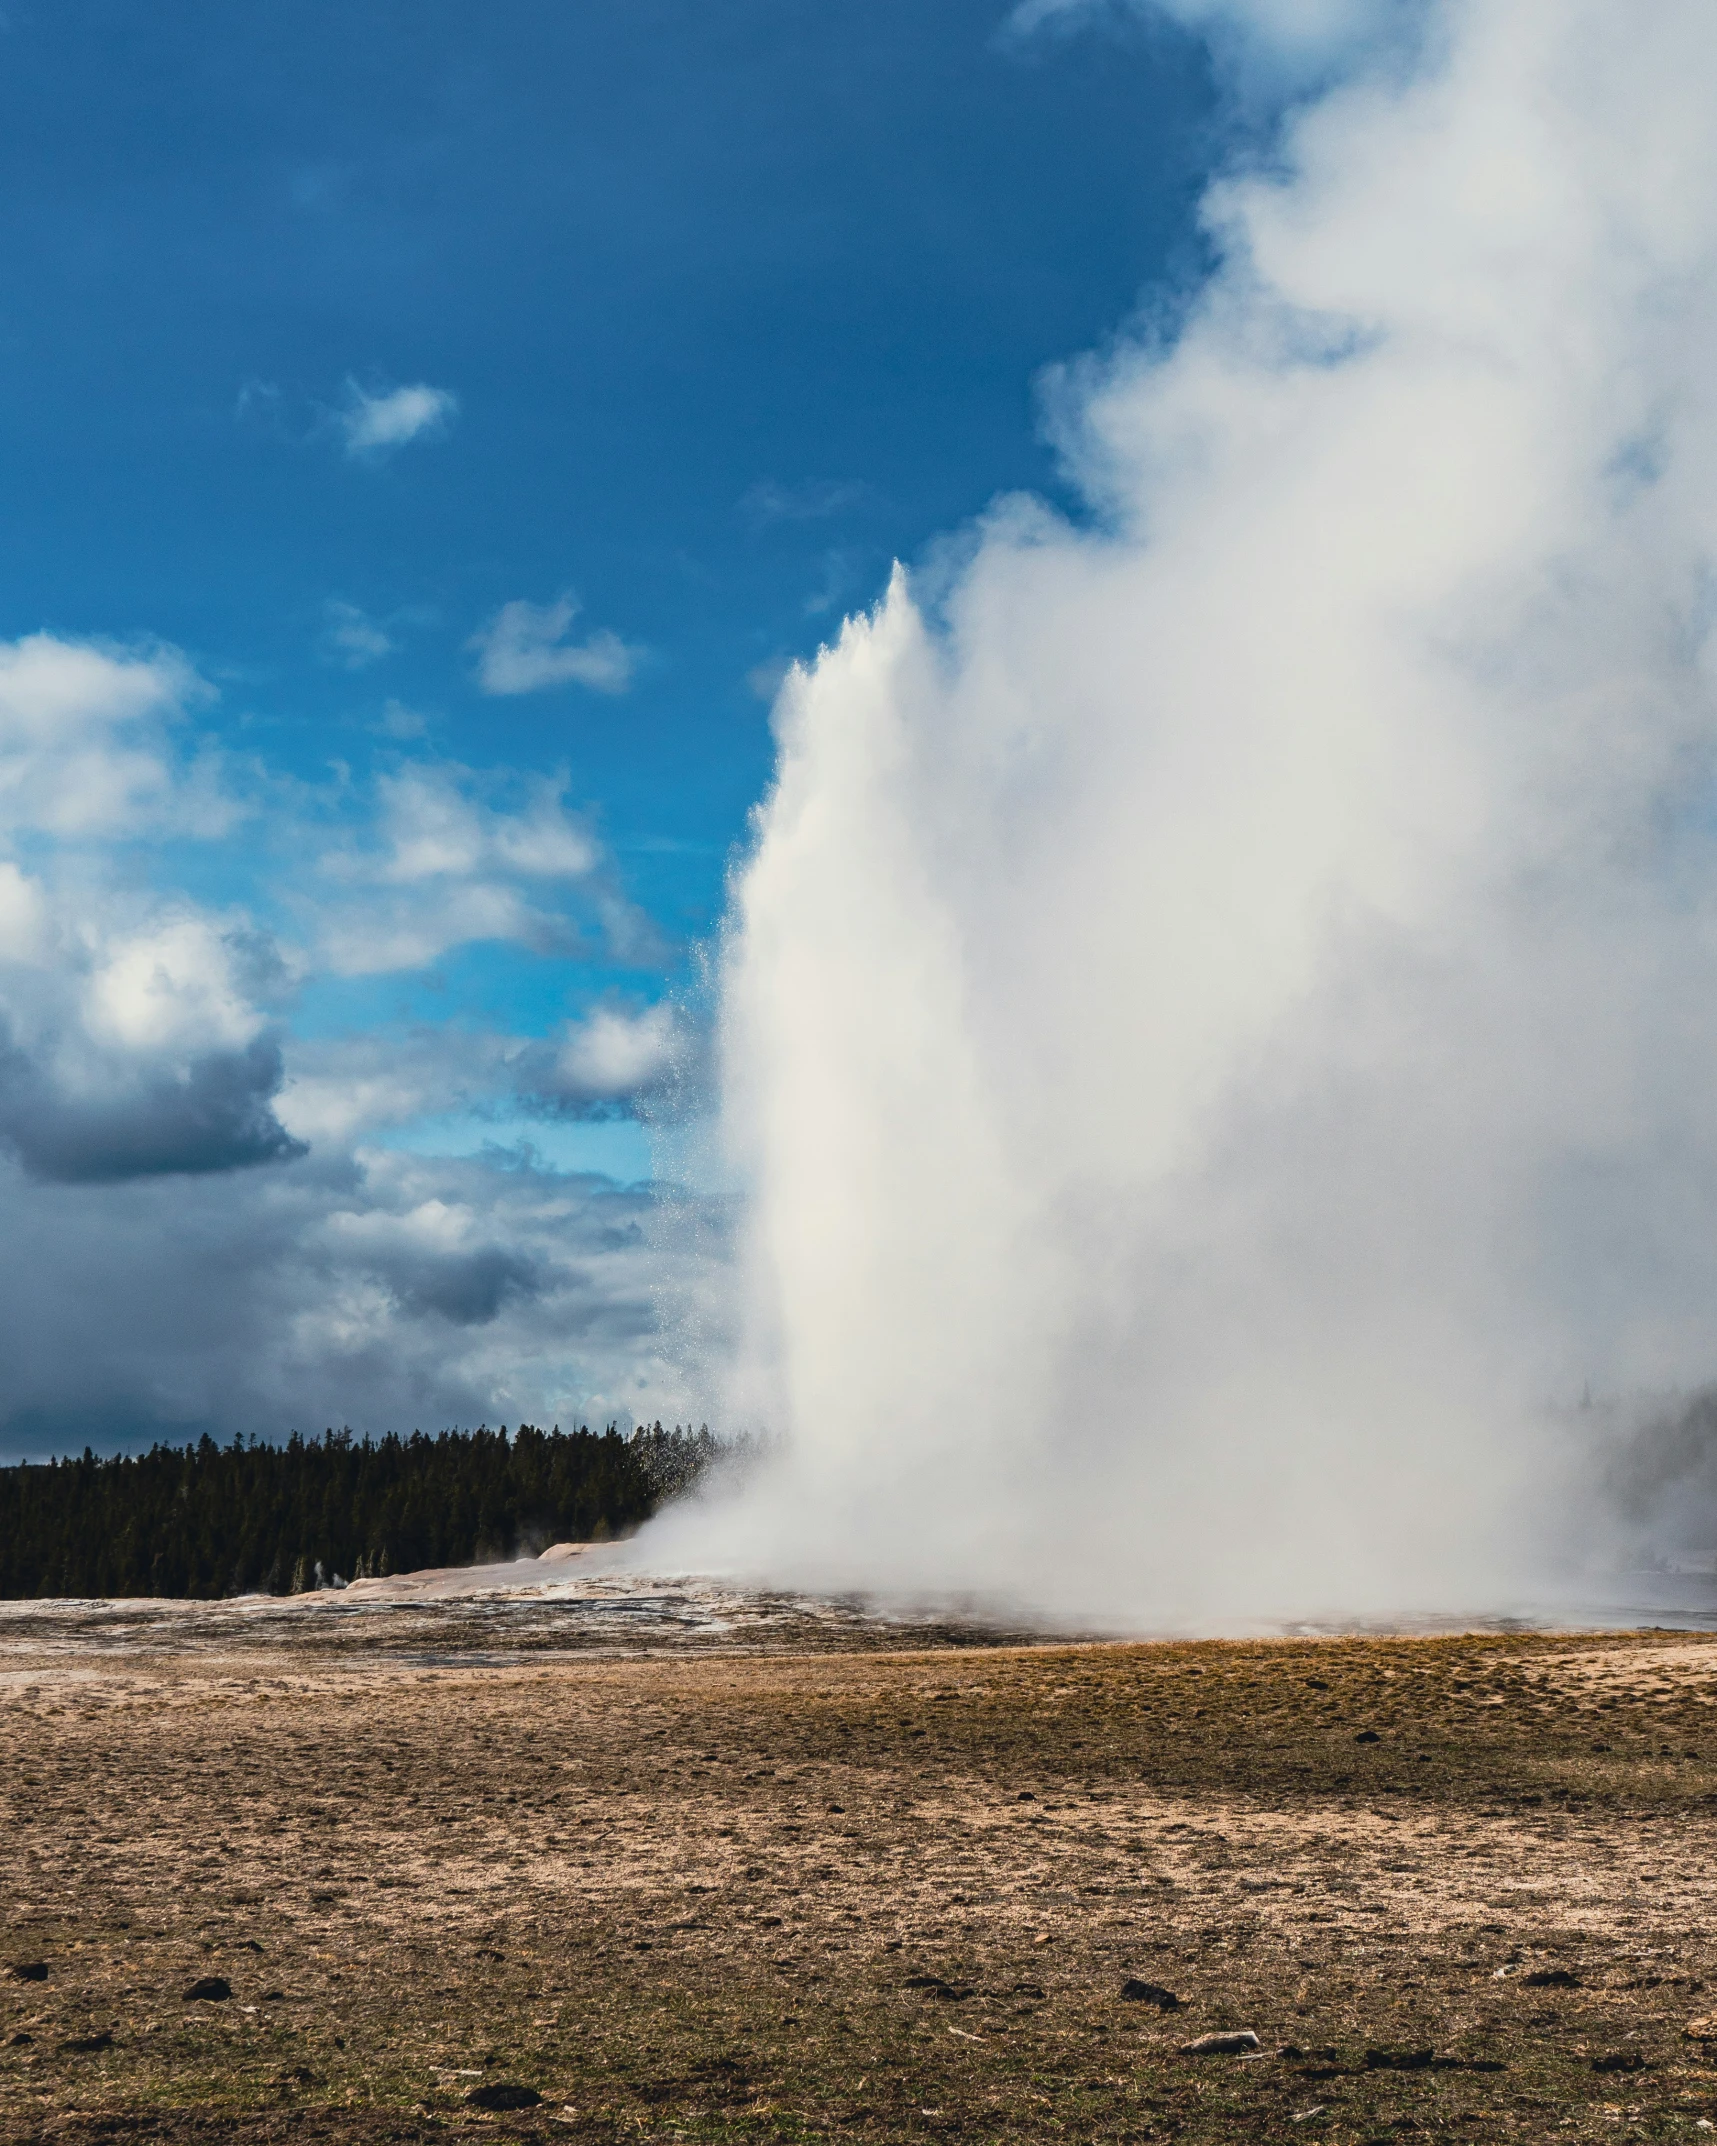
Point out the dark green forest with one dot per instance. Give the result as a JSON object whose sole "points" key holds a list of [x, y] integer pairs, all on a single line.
{"points": [[247, 1518]]}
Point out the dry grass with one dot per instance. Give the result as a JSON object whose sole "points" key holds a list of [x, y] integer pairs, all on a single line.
{"points": [[872, 1895]]}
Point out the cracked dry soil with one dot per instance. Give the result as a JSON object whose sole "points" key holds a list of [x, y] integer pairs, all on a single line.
{"points": [[870, 1895]]}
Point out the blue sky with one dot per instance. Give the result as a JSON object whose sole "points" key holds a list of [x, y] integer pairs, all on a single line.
{"points": [[736, 304], [431, 430]]}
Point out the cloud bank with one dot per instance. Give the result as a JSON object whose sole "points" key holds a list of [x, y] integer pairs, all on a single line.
{"points": [[1218, 1022], [206, 1226], [382, 1290]]}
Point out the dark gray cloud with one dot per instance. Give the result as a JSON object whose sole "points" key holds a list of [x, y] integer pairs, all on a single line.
{"points": [[390, 1292], [470, 1287], [213, 1113]]}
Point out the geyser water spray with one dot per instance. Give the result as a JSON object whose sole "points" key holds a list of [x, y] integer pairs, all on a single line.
{"points": [[1219, 1021]]}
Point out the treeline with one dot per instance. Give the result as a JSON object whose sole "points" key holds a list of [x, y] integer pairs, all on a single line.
{"points": [[247, 1518]]}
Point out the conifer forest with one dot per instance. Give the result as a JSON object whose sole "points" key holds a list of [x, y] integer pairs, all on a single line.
{"points": [[211, 1520]]}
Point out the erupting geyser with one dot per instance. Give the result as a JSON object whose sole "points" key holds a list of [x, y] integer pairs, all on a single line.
{"points": [[1219, 1024]]}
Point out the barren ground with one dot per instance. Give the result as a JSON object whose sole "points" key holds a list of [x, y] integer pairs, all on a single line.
{"points": [[814, 1879]]}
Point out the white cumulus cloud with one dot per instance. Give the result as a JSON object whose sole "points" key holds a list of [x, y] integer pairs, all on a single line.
{"points": [[378, 423], [26, 931], [432, 825], [351, 638], [180, 983], [524, 648], [613, 1056], [452, 858], [87, 745], [135, 1037]]}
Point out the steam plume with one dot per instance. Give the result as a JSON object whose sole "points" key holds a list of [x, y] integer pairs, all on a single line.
{"points": [[1220, 1021]]}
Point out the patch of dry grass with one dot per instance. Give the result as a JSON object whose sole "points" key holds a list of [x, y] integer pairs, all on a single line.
{"points": [[867, 1895]]}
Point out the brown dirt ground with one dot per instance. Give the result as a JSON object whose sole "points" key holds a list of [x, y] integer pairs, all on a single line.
{"points": [[875, 1895]]}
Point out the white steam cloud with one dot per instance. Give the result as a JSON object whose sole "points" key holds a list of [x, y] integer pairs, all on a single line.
{"points": [[1220, 1023]]}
